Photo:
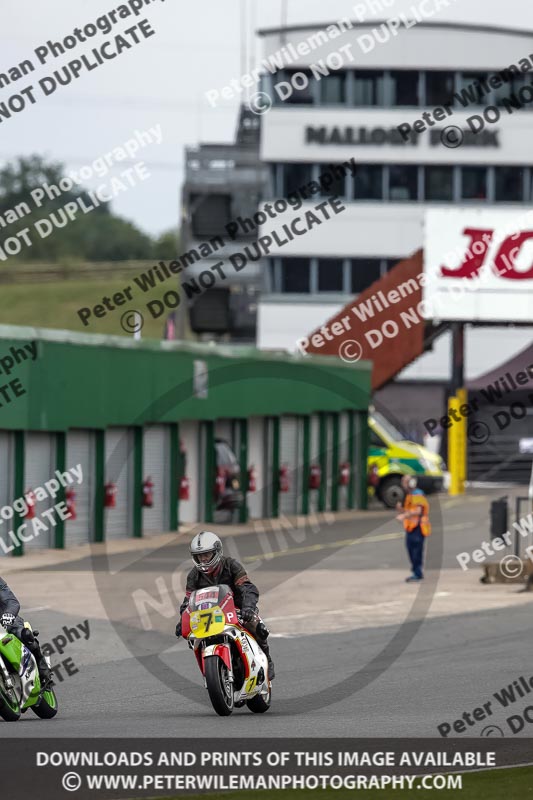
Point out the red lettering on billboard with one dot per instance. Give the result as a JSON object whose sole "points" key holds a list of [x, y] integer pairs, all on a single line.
{"points": [[504, 261], [471, 266]]}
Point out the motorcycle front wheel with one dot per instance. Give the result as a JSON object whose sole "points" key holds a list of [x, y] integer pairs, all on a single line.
{"points": [[218, 686], [9, 703], [46, 708]]}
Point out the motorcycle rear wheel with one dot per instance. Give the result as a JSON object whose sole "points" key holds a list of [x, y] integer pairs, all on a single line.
{"points": [[218, 686], [9, 705], [260, 704]]}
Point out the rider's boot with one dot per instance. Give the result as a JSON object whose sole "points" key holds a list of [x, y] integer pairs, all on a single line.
{"points": [[261, 634], [45, 673], [266, 650]]}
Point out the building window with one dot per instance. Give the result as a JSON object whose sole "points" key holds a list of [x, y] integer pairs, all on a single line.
{"points": [[529, 185], [474, 183], [330, 275], [391, 262], [509, 88], [403, 183], [439, 88], [509, 184], [295, 275], [472, 90], [295, 176], [300, 90], [369, 88], [368, 182], [338, 187], [438, 183], [364, 271], [404, 88], [269, 284], [332, 89]]}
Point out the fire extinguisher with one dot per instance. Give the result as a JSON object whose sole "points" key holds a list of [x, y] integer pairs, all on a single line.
{"points": [[252, 480], [315, 476], [220, 482], [30, 501], [344, 475], [148, 493], [70, 496], [110, 495], [373, 476], [184, 489], [284, 478]]}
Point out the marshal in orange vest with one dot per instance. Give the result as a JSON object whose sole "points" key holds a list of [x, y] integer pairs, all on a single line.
{"points": [[412, 502]]}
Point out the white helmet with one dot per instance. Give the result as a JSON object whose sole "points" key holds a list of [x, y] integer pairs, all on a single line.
{"points": [[206, 542], [409, 482]]}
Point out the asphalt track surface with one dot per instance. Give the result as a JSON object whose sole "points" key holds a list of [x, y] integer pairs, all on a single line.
{"points": [[377, 680]]}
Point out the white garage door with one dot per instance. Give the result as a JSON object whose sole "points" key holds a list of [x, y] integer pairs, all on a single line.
{"points": [[156, 466], [224, 430], [268, 466], [6, 486], [80, 450], [290, 447], [189, 510], [40, 465], [257, 501], [119, 470]]}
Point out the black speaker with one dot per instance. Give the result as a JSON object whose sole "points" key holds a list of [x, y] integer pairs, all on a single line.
{"points": [[210, 313], [499, 517]]}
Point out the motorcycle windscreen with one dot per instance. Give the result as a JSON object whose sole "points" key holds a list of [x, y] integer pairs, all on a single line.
{"points": [[208, 597], [210, 610]]}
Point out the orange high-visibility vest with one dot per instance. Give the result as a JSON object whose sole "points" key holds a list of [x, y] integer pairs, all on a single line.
{"points": [[413, 501]]}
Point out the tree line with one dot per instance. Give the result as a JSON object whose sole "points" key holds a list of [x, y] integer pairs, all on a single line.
{"points": [[99, 235]]}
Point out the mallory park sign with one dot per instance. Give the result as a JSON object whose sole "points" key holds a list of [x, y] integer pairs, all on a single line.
{"points": [[349, 135]]}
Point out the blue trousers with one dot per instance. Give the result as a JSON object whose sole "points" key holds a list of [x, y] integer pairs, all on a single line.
{"points": [[414, 542]]}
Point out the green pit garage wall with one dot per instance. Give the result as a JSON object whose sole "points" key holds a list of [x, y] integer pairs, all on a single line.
{"points": [[129, 409]]}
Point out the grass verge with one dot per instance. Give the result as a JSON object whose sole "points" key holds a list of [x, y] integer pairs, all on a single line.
{"points": [[515, 783], [54, 304]]}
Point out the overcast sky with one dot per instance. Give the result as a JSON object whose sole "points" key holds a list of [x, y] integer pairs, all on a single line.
{"points": [[162, 81]]}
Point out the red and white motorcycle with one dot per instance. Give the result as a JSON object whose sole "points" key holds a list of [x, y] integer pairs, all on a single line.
{"points": [[234, 667]]}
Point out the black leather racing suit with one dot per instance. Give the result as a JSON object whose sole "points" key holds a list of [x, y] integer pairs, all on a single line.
{"points": [[231, 573], [10, 605]]}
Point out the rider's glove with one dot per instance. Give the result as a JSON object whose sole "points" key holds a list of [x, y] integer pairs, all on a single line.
{"points": [[178, 629], [7, 620], [248, 614]]}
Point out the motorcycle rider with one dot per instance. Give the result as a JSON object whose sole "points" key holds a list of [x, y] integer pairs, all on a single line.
{"points": [[10, 620], [212, 568]]}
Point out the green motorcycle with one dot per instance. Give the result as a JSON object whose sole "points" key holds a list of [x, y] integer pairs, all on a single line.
{"points": [[20, 683]]}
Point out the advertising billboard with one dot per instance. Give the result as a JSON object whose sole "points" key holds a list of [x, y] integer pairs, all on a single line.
{"points": [[478, 264]]}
